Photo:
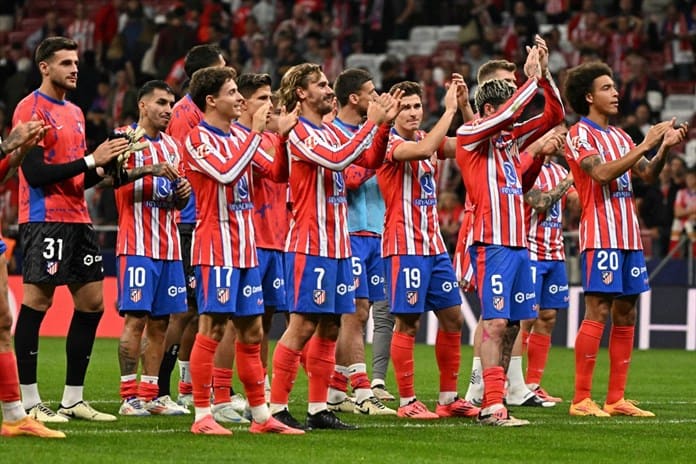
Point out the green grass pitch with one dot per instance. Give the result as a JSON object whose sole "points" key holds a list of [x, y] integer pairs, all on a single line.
{"points": [[662, 380]]}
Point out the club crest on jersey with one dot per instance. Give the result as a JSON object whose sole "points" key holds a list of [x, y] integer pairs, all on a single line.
{"points": [[223, 295], [607, 277], [201, 151], [579, 143], [52, 267], [319, 297], [136, 295], [310, 142], [412, 297], [498, 303]]}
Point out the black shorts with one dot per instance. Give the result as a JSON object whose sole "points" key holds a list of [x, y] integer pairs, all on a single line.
{"points": [[185, 240], [57, 253]]}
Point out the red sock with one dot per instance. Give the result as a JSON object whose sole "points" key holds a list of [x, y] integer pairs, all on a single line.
{"points": [[185, 388], [250, 371], [620, 350], [586, 348], [321, 359], [402, 357], [303, 356], [338, 381], [493, 386], [359, 380], [129, 389], [222, 382], [286, 362], [202, 355], [537, 354], [148, 391], [448, 353], [525, 341], [9, 380]]}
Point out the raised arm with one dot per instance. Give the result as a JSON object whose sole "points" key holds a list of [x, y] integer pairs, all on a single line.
{"points": [[471, 134], [650, 170], [203, 156]]}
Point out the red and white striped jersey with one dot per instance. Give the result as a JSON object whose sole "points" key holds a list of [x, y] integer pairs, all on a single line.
{"points": [[82, 32], [462, 259], [147, 207], [185, 116], [271, 215], [608, 218], [411, 225], [545, 238], [218, 167], [318, 156], [488, 155]]}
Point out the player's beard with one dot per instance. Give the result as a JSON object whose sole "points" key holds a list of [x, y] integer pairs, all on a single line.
{"points": [[64, 84]]}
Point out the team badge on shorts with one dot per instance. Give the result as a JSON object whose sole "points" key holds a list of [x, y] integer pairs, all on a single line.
{"points": [[52, 267], [607, 277], [412, 298], [319, 297], [498, 303], [136, 294], [192, 282], [356, 282], [223, 295]]}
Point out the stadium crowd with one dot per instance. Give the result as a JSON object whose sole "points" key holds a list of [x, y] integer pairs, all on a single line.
{"points": [[123, 43], [370, 98]]}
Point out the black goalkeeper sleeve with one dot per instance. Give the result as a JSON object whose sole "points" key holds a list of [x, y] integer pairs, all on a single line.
{"points": [[39, 173]]}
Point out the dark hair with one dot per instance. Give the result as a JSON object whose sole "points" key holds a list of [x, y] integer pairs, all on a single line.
{"points": [[201, 56], [348, 82], [298, 76], [579, 83], [209, 81], [49, 46], [150, 87], [494, 92], [249, 83], [409, 88], [488, 69]]}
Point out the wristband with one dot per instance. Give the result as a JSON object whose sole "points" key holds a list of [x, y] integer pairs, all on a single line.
{"points": [[89, 161]]}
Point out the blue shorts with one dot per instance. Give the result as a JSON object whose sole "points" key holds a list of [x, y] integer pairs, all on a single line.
{"points": [[272, 273], [550, 284], [228, 290], [3, 247], [368, 267], [504, 281], [416, 284], [319, 285], [609, 270], [156, 286]]}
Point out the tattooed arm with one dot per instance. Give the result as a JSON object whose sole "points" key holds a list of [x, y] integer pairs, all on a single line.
{"points": [[650, 170], [605, 172], [541, 201]]}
